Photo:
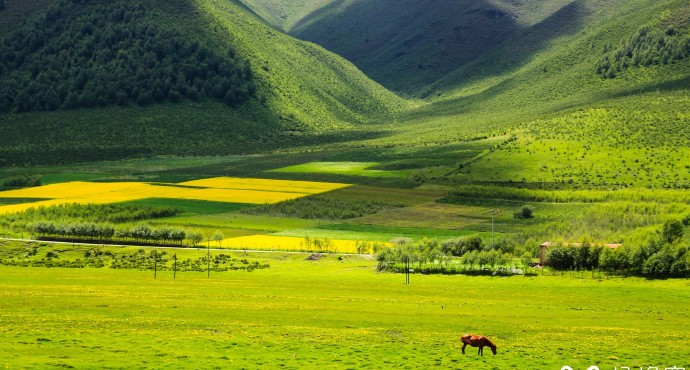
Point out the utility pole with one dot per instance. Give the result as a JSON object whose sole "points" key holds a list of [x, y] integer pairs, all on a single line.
{"points": [[493, 212], [175, 266]]}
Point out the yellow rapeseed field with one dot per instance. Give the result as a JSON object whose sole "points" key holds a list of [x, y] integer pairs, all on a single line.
{"points": [[287, 243], [307, 187], [254, 191], [71, 189]]}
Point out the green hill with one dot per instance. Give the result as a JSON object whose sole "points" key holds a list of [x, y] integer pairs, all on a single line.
{"points": [[100, 79], [550, 69], [416, 46], [406, 44], [573, 124]]}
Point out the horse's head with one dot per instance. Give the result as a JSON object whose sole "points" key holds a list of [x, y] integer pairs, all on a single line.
{"points": [[493, 349]]}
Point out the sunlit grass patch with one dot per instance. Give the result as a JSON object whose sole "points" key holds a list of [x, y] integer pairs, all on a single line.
{"points": [[344, 168]]}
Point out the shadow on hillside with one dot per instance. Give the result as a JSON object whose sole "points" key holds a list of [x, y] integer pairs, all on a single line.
{"points": [[254, 165], [677, 84], [408, 44], [462, 105], [519, 49]]}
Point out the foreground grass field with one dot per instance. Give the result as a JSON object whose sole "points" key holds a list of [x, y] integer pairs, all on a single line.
{"points": [[334, 313]]}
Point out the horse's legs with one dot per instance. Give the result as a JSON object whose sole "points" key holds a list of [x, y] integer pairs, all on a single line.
{"points": [[463, 347], [481, 351]]}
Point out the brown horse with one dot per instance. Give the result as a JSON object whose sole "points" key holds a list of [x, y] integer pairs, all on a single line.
{"points": [[477, 341]]}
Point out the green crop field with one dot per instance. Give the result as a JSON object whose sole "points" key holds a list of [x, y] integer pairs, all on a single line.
{"points": [[335, 313]]}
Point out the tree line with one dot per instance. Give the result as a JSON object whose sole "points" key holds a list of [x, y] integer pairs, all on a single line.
{"points": [[456, 255], [99, 53], [663, 255], [647, 47], [18, 182], [19, 256], [79, 213], [102, 233]]}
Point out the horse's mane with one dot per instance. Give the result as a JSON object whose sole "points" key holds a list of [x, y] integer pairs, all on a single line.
{"points": [[491, 344]]}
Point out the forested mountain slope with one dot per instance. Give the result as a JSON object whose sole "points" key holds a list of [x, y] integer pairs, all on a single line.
{"points": [[168, 77]]}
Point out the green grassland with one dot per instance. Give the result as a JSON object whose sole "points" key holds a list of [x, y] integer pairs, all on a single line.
{"points": [[380, 233], [256, 223], [611, 146], [344, 168], [408, 197], [333, 313]]}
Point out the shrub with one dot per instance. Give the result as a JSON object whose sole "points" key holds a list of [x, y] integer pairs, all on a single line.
{"points": [[524, 213], [672, 231], [462, 245]]}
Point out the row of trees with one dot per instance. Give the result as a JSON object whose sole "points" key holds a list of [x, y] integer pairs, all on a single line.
{"points": [[103, 53], [452, 256], [661, 256], [96, 213], [139, 234], [647, 47], [121, 259], [652, 260], [17, 182], [366, 247]]}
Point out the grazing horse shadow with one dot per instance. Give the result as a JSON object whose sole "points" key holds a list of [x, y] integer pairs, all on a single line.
{"points": [[477, 341]]}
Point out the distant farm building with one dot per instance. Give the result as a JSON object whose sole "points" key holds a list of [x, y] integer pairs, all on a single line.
{"points": [[546, 245]]}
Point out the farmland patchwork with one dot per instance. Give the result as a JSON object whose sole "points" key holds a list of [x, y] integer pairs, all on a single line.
{"points": [[224, 189]]}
